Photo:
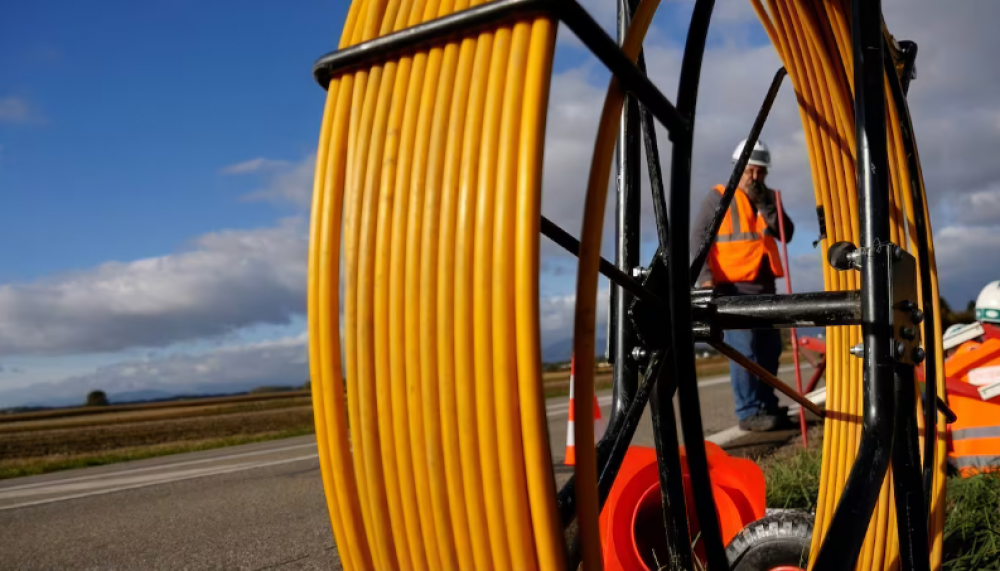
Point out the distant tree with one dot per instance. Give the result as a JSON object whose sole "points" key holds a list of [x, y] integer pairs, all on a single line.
{"points": [[97, 398], [950, 317], [307, 386], [270, 389], [945, 306]]}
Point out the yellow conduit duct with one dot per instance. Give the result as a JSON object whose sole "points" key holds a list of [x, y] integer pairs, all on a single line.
{"points": [[435, 452], [429, 177], [813, 39]]}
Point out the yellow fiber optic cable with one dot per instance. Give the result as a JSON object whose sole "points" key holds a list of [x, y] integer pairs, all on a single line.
{"points": [[390, 367], [324, 265], [452, 532], [586, 293], [482, 301], [403, 312], [512, 477], [428, 175], [360, 202], [813, 39], [486, 540], [472, 550], [541, 483]]}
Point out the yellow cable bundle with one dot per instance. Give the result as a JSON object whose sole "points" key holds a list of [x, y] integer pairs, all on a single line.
{"points": [[429, 164], [813, 38]]}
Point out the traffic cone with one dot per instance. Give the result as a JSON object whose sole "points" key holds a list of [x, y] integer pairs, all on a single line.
{"points": [[598, 421]]}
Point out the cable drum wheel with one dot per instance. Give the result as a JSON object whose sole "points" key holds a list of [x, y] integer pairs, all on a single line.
{"points": [[776, 542], [432, 433]]}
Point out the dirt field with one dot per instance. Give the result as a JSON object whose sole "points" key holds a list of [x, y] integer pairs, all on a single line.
{"points": [[38, 443], [92, 410], [164, 413], [103, 438]]}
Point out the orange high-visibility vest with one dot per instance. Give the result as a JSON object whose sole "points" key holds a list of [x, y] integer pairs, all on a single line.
{"points": [[974, 438], [742, 244]]}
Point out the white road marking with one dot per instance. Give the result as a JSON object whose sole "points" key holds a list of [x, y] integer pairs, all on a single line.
{"points": [[187, 475], [726, 436], [129, 479], [157, 467]]}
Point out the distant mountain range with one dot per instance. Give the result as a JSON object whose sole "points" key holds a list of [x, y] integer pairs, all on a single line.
{"points": [[150, 395], [561, 351]]}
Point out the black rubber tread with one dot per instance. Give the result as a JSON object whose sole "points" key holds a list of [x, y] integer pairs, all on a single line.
{"points": [[777, 539]]}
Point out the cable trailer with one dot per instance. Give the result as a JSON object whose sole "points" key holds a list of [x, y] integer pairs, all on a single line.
{"points": [[432, 432]]}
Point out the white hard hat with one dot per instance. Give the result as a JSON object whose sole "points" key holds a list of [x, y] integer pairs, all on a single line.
{"points": [[988, 303], [760, 155]]}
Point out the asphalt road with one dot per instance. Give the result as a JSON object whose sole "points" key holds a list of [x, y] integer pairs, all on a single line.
{"points": [[258, 506]]}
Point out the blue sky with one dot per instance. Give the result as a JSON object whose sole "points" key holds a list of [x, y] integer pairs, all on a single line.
{"points": [[155, 166], [133, 109]]}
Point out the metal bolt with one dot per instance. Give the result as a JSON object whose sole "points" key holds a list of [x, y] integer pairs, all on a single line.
{"points": [[918, 355], [908, 333], [897, 253], [639, 353], [900, 349], [640, 272], [855, 259], [858, 350], [906, 305], [918, 316]]}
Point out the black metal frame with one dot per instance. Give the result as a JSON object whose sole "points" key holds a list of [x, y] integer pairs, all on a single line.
{"points": [[664, 290]]}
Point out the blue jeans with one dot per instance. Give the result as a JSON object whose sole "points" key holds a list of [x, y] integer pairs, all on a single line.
{"points": [[762, 346]]}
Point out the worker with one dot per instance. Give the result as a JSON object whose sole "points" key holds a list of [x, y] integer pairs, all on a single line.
{"points": [[744, 260], [974, 438]]}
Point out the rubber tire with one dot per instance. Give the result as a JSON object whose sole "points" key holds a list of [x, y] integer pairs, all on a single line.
{"points": [[776, 540]]}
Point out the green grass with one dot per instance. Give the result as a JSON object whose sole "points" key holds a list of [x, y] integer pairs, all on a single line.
{"points": [[972, 523], [972, 510], [793, 479], [46, 464]]}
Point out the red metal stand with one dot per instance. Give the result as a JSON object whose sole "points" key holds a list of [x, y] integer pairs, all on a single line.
{"points": [[795, 337]]}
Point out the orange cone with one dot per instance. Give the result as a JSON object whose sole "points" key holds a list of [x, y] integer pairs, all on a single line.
{"points": [[598, 421]]}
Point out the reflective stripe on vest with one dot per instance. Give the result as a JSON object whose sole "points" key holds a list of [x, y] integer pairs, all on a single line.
{"points": [[970, 451], [975, 461], [978, 432]]}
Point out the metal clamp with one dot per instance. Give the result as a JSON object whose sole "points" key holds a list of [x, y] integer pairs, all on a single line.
{"points": [[906, 316]]}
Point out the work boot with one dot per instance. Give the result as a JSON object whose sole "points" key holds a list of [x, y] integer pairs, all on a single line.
{"points": [[764, 422], [781, 411]]}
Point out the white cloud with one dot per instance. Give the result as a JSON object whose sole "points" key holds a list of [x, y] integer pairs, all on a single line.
{"points": [[557, 313], [287, 183], [254, 165], [230, 280], [227, 369], [953, 101], [15, 110], [967, 260], [226, 280]]}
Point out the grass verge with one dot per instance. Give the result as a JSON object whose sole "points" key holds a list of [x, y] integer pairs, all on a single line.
{"points": [[972, 520], [152, 415], [972, 523], [45, 464], [793, 480], [107, 439], [95, 410]]}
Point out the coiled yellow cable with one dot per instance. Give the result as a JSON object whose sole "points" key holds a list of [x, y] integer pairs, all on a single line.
{"points": [[585, 319], [429, 168], [813, 39]]}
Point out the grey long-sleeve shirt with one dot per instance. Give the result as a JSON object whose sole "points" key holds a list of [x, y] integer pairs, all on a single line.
{"points": [[764, 283]]}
